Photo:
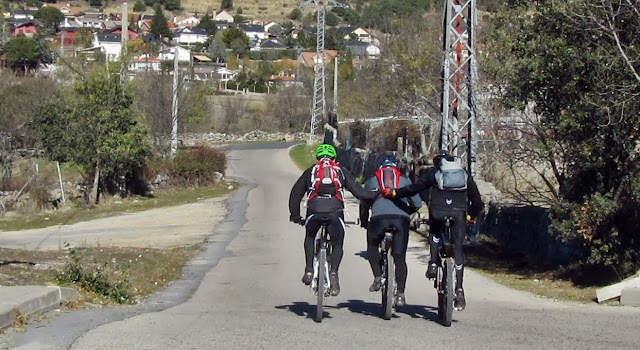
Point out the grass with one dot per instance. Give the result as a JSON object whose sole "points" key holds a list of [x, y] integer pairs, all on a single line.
{"points": [[145, 271], [515, 270], [78, 212], [103, 275], [303, 155]]}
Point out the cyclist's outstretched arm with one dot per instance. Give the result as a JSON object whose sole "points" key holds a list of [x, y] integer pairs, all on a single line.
{"points": [[298, 191], [426, 180], [355, 188], [473, 194]]}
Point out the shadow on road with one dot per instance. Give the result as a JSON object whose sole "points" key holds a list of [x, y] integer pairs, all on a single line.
{"points": [[304, 309], [374, 309]]}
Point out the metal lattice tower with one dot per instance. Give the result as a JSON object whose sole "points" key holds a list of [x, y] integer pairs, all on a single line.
{"points": [[319, 107], [459, 73]]}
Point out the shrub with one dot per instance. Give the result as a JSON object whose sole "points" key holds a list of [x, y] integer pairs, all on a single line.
{"points": [[192, 167]]}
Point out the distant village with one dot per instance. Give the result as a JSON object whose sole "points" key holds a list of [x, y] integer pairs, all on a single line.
{"points": [[187, 40]]}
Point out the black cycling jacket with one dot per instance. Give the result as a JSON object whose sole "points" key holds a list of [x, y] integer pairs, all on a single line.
{"points": [[321, 204], [427, 180]]}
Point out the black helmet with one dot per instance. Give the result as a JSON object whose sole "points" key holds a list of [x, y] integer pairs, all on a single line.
{"points": [[443, 153]]}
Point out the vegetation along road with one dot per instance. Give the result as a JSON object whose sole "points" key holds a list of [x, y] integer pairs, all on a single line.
{"points": [[243, 292]]}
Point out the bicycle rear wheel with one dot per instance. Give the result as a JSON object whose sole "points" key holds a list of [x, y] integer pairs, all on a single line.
{"points": [[322, 283], [388, 289], [448, 294]]}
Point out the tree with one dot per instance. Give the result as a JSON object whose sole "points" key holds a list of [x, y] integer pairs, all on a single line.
{"points": [[207, 23], [572, 69], [139, 6], [93, 127], [295, 14], [217, 49], [171, 5], [236, 35], [226, 5], [159, 26], [48, 18], [22, 53]]}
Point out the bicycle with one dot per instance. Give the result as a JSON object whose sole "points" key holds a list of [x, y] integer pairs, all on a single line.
{"points": [[320, 283], [389, 287], [445, 276]]}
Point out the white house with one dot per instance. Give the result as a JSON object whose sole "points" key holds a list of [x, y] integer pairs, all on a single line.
{"points": [[224, 16], [254, 31], [190, 21], [359, 33], [143, 63], [190, 36], [109, 44], [168, 54]]}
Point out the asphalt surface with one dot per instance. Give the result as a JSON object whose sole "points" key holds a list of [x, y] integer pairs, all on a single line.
{"points": [[244, 292]]}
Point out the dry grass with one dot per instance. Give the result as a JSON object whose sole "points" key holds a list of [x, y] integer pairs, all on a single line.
{"points": [[147, 270]]}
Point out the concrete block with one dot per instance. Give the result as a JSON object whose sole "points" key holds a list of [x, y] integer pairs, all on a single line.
{"points": [[630, 297], [614, 290]]}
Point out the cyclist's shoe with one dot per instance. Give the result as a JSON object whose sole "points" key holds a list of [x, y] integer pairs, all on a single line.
{"points": [[459, 303], [432, 269], [334, 287], [400, 300], [375, 286], [307, 277]]}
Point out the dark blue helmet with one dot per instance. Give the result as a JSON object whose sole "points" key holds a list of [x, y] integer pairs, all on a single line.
{"points": [[389, 161]]}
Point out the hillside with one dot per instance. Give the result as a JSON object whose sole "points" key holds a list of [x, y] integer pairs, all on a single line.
{"points": [[266, 10]]}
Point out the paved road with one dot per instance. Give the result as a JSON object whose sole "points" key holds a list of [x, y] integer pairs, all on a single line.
{"points": [[244, 293]]}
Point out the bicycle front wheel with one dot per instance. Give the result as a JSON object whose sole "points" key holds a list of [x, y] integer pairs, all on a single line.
{"points": [[388, 290], [322, 283]]}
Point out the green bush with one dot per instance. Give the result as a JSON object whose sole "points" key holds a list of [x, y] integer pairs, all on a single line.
{"points": [[195, 167]]}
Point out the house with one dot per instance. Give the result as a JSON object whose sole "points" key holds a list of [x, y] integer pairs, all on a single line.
{"points": [[190, 21], [90, 19], [190, 36], [222, 25], [145, 63], [223, 16], [309, 59], [353, 32], [145, 26], [362, 49], [283, 80], [68, 34], [24, 15], [270, 44], [27, 29], [168, 54], [132, 34], [254, 31], [64, 8], [109, 44]]}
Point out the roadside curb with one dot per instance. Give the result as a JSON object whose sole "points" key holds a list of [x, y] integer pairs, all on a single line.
{"points": [[26, 301]]}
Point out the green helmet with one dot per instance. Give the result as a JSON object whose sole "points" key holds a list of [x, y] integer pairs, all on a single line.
{"points": [[325, 150]]}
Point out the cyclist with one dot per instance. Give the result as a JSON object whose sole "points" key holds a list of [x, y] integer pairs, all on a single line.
{"points": [[388, 213], [324, 199], [444, 203]]}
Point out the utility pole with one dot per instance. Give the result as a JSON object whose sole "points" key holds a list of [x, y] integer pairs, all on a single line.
{"points": [[174, 110], [319, 107], [459, 79]]}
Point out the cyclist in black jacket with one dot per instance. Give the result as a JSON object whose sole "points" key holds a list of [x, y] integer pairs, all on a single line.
{"points": [[444, 203], [323, 205]]}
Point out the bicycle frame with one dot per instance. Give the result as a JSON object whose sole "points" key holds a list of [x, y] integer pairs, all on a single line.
{"points": [[322, 243]]}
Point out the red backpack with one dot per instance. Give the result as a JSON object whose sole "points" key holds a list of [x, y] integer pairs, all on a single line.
{"points": [[326, 179], [388, 177]]}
